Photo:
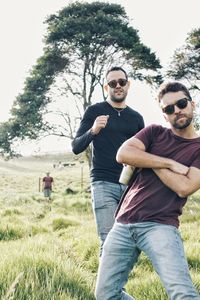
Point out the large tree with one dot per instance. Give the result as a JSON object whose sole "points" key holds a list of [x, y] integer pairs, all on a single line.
{"points": [[185, 65], [82, 41]]}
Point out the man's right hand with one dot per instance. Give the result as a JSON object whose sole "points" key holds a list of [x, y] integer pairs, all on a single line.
{"points": [[99, 123]]}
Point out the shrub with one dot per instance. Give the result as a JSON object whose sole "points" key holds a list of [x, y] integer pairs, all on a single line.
{"points": [[11, 233], [62, 223]]}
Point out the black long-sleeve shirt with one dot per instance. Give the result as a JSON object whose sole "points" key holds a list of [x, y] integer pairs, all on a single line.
{"points": [[119, 128]]}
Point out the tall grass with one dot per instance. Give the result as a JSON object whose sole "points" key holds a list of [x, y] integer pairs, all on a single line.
{"points": [[49, 250]]}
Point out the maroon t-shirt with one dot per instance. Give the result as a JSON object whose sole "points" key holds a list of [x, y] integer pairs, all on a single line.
{"points": [[148, 199], [47, 182]]}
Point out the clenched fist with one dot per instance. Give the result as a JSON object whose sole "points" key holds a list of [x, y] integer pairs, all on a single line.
{"points": [[99, 123]]}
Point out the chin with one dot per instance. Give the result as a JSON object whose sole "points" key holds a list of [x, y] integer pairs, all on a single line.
{"points": [[181, 125], [118, 100]]}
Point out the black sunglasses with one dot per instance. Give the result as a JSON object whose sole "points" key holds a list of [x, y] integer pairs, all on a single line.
{"points": [[181, 104], [113, 83]]}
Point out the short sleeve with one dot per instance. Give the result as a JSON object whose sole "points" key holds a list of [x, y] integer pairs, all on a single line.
{"points": [[148, 134], [196, 162]]}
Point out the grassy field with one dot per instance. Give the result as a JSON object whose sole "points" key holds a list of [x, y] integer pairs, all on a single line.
{"points": [[50, 250]]}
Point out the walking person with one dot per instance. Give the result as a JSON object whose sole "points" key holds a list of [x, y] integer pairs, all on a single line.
{"points": [[168, 171], [47, 183], [107, 125]]}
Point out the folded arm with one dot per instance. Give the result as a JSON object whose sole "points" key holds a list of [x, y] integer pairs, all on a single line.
{"points": [[132, 152], [182, 180], [183, 185]]}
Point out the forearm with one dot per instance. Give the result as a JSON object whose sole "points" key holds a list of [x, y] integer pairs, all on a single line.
{"points": [[133, 153], [79, 144], [141, 159], [176, 182]]}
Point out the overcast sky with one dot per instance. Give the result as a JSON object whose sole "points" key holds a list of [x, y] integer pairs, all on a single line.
{"points": [[163, 26]]}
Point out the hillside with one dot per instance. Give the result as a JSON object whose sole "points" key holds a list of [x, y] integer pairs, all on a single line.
{"points": [[49, 250]]}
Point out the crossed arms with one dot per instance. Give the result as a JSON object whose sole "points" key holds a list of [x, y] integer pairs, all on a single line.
{"points": [[181, 179]]}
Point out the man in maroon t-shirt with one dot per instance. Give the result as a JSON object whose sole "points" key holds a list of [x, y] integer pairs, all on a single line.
{"points": [[47, 185], [167, 165]]}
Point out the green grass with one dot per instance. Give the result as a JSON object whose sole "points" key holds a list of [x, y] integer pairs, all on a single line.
{"points": [[49, 250]]}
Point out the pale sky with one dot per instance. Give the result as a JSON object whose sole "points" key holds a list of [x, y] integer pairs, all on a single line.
{"points": [[163, 26]]}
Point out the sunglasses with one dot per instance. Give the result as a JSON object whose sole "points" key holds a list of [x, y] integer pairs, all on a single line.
{"points": [[113, 83], [181, 104]]}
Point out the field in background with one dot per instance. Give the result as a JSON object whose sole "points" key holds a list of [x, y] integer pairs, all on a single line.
{"points": [[49, 251]]}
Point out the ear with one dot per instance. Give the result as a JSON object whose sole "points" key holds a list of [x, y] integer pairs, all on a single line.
{"points": [[128, 84], [166, 118], [193, 105], [106, 88]]}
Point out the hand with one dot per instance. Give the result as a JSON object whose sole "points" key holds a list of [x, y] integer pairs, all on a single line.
{"points": [[179, 168], [99, 123]]}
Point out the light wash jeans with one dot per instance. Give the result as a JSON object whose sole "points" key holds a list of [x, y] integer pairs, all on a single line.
{"points": [[161, 243], [105, 199], [47, 192]]}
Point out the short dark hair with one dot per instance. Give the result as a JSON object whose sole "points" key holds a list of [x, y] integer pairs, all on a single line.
{"points": [[172, 87], [117, 69]]}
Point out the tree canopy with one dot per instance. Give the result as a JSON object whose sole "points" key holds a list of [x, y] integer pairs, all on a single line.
{"points": [[185, 66], [186, 61], [82, 41]]}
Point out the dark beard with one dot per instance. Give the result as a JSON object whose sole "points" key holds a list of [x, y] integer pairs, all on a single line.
{"points": [[117, 100], [182, 126]]}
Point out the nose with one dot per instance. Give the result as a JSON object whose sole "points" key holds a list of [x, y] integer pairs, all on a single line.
{"points": [[118, 85], [176, 109]]}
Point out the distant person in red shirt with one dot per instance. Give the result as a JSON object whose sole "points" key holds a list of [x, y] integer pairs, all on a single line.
{"points": [[47, 182]]}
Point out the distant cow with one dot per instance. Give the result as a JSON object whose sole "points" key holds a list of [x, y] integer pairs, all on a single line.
{"points": [[68, 164], [61, 165]]}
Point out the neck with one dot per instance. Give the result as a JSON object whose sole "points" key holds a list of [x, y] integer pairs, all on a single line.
{"points": [[188, 132], [117, 104]]}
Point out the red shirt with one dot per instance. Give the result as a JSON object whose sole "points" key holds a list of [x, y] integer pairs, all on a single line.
{"points": [[47, 182], [148, 199]]}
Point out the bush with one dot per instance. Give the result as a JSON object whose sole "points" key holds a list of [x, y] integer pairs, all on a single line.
{"points": [[11, 233], [62, 223]]}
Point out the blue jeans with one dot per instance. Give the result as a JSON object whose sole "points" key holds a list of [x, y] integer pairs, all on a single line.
{"points": [[47, 192], [161, 243], [105, 199]]}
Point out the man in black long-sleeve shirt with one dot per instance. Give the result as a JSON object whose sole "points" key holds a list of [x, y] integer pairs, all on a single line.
{"points": [[107, 125]]}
